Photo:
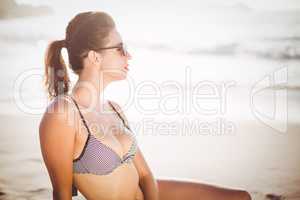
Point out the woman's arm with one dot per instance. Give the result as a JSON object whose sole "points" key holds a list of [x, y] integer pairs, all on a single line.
{"points": [[147, 181], [57, 142]]}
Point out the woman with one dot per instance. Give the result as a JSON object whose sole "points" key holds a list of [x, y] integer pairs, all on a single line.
{"points": [[86, 143]]}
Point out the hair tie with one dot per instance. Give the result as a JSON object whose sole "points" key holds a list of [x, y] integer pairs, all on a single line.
{"points": [[63, 43]]}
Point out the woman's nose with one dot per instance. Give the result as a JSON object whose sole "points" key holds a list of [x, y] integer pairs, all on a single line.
{"points": [[128, 55]]}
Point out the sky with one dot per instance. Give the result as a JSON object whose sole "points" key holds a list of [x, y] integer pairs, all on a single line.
{"points": [[254, 4]]}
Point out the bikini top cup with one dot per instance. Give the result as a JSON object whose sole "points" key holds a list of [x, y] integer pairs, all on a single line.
{"points": [[98, 158]]}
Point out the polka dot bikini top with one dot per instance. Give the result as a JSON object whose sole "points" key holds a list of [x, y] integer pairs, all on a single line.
{"points": [[98, 158]]}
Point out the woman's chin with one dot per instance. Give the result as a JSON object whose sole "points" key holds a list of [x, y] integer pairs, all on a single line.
{"points": [[121, 77]]}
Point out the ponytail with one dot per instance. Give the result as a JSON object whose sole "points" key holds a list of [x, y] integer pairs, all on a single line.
{"points": [[56, 77]]}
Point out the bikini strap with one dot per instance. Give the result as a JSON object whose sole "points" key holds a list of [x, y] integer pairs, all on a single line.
{"points": [[81, 116], [133, 148], [120, 116]]}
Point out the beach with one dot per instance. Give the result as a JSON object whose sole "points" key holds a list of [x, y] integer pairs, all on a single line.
{"points": [[258, 164]]}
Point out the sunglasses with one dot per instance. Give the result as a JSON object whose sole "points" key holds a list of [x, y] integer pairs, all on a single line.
{"points": [[121, 47]]}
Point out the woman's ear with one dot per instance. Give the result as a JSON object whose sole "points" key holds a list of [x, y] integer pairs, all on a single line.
{"points": [[94, 57], [98, 58]]}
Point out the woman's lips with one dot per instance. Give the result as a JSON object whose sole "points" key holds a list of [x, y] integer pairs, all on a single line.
{"points": [[126, 67]]}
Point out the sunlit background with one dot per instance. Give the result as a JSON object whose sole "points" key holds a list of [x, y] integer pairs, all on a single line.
{"points": [[246, 43]]}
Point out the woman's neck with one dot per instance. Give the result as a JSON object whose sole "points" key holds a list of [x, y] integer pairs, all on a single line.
{"points": [[89, 89]]}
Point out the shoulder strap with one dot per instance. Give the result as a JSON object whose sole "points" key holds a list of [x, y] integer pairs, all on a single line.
{"points": [[81, 116], [120, 116]]}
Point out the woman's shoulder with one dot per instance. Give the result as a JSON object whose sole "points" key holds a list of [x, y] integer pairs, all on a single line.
{"points": [[59, 114], [60, 106]]}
